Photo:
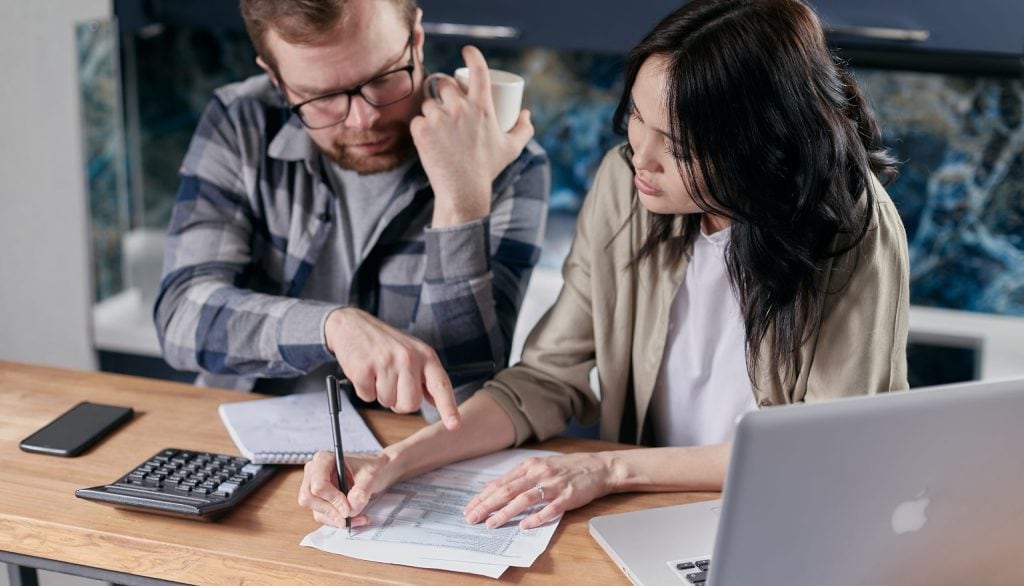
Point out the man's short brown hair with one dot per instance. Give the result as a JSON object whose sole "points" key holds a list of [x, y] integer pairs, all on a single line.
{"points": [[300, 21]]}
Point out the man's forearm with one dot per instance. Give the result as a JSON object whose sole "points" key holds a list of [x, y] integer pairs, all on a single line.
{"points": [[477, 272], [457, 312], [206, 324]]}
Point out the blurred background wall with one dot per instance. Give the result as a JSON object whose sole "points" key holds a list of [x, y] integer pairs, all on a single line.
{"points": [[45, 279]]}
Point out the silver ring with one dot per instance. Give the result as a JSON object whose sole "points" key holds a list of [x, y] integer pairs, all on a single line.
{"points": [[540, 490]]}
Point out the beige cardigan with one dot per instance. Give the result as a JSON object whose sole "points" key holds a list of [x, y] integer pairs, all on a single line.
{"points": [[615, 316]]}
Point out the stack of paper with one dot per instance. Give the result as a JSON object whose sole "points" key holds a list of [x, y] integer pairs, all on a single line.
{"points": [[420, 523]]}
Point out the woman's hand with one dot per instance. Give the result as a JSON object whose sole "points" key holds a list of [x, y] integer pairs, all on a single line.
{"points": [[368, 475], [565, 482], [487, 429]]}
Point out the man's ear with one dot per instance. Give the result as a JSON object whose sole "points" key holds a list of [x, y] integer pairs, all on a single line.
{"points": [[418, 35], [268, 70]]}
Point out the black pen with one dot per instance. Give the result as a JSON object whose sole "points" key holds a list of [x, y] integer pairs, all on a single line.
{"points": [[334, 403]]}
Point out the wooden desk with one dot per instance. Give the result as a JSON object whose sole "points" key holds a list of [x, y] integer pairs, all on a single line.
{"points": [[41, 519]]}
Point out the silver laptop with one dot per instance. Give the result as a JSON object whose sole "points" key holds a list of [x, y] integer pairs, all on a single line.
{"points": [[918, 487]]}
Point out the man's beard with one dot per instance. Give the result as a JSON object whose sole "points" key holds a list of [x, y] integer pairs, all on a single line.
{"points": [[397, 153]]}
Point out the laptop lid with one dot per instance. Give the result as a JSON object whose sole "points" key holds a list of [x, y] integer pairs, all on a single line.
{"points": [[918, 487]]}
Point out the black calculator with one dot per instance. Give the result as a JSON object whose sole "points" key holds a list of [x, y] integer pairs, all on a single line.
{"points": [[183, 483]]}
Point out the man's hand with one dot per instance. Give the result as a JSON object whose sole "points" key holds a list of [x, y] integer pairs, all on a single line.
{"points": [[386, 365], [461, 146]]}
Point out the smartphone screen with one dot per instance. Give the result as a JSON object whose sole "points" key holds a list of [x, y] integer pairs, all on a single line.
{"points": [[77, 429]]}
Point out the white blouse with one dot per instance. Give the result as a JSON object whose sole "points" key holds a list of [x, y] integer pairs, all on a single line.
{"points": [[703, 386]]}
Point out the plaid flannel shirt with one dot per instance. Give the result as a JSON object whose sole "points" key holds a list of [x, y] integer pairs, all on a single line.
{"points": [[253, 213]]}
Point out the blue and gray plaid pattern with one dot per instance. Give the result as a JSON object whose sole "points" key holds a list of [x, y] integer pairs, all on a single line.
{"points": [[253, 213]]}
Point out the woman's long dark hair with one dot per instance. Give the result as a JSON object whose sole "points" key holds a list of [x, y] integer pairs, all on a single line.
{"points": [[773, 134]]}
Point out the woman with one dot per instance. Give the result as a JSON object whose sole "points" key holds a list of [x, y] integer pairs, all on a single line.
{"points": [[738, 252]]}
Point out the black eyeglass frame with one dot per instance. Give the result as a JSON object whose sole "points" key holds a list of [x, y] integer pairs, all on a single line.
{"points": [[358, 90]]}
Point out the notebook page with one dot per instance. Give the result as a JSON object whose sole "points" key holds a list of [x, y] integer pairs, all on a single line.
{"points": [[293, 425]]}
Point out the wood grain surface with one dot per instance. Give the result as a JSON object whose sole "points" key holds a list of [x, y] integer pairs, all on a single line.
{"points": [[258, 543]]}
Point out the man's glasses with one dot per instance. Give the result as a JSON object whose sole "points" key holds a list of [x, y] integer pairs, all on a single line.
{"points": [[383, 90]]}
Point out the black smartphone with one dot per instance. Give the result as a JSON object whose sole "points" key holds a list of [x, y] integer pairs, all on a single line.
{"points": [[78, 428]]}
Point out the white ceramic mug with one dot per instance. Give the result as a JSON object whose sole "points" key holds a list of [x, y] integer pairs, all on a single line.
{"points": [[506, 90]]}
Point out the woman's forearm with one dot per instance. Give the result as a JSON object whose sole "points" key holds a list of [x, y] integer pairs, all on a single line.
{"points": [[572, 480], [696, 468], [485, 428]]}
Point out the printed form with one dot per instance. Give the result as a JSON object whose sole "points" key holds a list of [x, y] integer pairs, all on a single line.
{"points": [[419, 523]]}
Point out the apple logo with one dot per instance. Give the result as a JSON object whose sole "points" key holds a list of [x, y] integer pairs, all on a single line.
{"points": [[909, 516]]}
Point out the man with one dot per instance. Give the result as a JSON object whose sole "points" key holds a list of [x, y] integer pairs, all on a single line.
{"points": [[328, 216]]}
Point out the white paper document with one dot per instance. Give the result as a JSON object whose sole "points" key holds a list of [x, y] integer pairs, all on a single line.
{"points": [[419, 523]]}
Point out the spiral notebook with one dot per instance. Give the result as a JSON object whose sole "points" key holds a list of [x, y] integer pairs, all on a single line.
{"points": [[290, 429]]}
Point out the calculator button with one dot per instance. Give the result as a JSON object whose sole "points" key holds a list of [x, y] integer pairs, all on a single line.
{"points": [[227, 488]]}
